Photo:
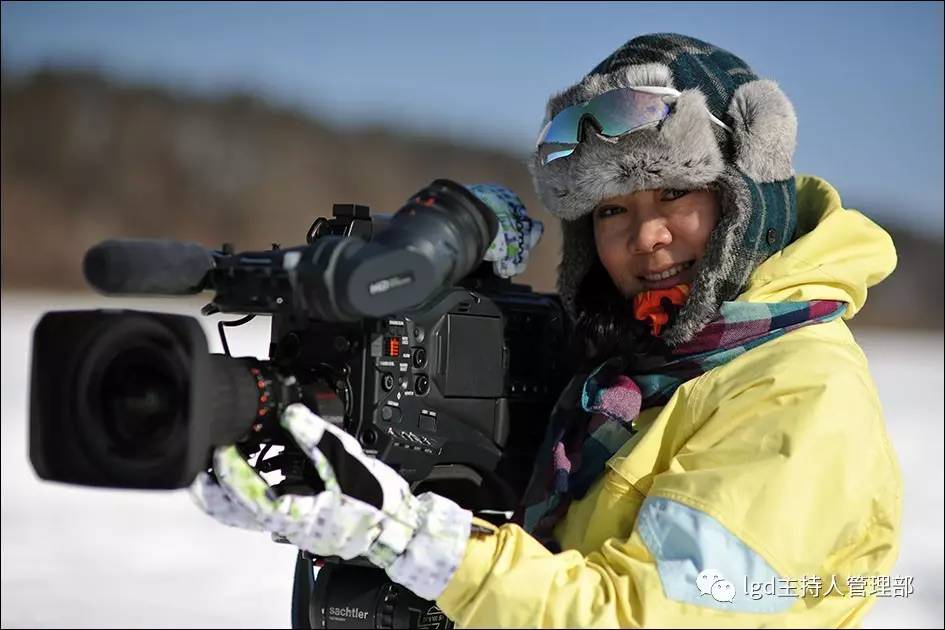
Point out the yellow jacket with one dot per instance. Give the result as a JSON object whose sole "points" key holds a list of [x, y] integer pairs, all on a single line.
{"points": [[773, 472]]}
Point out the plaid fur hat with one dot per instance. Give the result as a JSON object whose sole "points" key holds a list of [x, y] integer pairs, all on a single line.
{"points": [[751, 169]]}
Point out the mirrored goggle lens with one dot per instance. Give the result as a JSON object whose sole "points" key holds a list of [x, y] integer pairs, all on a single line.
{"points": [[614, 113]]}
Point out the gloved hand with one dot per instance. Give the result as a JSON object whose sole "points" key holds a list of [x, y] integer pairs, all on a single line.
{"points": [[366, 509], [518, 233]]}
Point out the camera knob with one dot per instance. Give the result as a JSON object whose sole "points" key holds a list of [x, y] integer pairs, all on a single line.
{"points": [[419, 357], [390, 414], [422, 385]]}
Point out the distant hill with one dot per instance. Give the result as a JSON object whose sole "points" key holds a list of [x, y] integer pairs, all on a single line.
{"points": [[84, 159]]}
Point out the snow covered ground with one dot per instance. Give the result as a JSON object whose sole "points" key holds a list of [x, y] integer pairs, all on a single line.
{"points": [[78, 557]]}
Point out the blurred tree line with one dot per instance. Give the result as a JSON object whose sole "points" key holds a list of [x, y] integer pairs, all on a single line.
{"points": [[84, 159]]}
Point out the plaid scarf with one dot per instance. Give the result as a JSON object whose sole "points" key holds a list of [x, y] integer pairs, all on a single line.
{"points": [[581, 439]]}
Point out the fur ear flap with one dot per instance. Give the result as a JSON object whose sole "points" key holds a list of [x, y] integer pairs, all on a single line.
{"points": [[765, 127]]}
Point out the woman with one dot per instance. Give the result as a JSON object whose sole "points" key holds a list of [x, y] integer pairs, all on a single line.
{"points": [[723, 459]]}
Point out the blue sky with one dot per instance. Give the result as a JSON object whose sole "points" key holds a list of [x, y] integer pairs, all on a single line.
{"points": [[866, 79]]}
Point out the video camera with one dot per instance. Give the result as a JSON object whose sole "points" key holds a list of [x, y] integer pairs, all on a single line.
{"points": [[392, 328]]}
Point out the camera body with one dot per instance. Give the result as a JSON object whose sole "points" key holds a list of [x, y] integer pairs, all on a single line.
{"points": [[433, 393]]}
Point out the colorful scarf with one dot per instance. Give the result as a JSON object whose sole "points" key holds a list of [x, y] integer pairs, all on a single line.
{"points": [[581, 439]]}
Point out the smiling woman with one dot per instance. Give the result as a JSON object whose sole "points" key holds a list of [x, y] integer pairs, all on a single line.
{"points": [[649, 245], [708, 287]]}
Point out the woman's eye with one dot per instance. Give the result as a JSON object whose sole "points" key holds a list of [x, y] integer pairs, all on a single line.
{"points": [[672, 194], [608, 211]]}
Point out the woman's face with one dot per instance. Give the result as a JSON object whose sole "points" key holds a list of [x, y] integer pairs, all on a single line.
{"points": [[651, 239]]}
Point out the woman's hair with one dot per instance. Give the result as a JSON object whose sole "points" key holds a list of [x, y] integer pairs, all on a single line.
{"points": [[605, 325]]}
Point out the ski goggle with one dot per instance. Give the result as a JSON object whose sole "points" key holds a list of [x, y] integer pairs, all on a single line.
{"points": [[614, 114]]}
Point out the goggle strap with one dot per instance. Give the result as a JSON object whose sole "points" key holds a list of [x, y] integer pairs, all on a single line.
{"points": [[668, 91]]}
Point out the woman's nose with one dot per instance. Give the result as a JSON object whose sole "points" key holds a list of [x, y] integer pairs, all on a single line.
{"points": [[651, 236]]}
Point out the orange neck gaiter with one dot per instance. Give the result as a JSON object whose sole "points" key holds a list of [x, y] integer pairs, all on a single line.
{"points": [[647, 306]]}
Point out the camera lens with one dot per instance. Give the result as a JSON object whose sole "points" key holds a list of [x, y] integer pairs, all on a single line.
{"points": [[132, 396], [133, 399], [142, 400]]}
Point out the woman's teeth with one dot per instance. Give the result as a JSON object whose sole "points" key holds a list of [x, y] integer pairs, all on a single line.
{"points": [[669, 273]]}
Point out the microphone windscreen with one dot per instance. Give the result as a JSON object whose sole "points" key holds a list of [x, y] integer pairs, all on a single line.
{"points": [[154, 266]]}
